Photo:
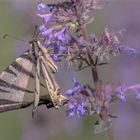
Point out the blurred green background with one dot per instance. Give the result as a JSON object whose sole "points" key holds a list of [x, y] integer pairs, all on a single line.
{"points": [[18, 18]]}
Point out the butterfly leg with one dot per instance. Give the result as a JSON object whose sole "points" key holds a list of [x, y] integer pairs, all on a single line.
{"points": [[37, 86], [53, 88], [47, 59], [48, 66]]}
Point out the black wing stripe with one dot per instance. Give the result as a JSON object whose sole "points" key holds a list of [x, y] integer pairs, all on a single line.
{"points": [[28, 57], [8, 85], [5, 91], [8, 70], [6, 101], [20, 68], [13, 106]]}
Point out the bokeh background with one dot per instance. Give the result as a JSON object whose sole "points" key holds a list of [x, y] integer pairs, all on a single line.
{"points": [[18, 18]]}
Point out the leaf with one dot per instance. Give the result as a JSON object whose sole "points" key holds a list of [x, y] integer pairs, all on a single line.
{"points": [[101, 126]]}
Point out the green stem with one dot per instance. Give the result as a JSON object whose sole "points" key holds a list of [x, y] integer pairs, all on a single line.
{"points": [[110, 134], [95, 76], [93, 67]]}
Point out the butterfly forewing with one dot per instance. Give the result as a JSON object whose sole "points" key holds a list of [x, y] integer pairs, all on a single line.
{"points": [[17, 83]]}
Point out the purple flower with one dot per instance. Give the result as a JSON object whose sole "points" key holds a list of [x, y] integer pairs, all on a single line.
{"points": [[71, 110], [56, 57], [80, 109], [121, 92], [48, 32], [47, 42], [45, 17], [62, 48], [69, 92], [41, 6], [60, 34], [127, 50], [76, 108], [75, 88], [135, 89], [80, 99], [42, 28], [122, 97]]}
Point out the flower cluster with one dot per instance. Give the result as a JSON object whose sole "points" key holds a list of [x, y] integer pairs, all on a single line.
{"points": [[108, 45], [73, 14], [62, 26], [63, 31], [83, 98]]}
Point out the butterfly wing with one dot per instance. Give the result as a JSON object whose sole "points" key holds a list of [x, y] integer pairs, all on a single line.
{"points": [[17, 84]]}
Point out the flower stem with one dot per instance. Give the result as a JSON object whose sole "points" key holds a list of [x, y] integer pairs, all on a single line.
{"points": [[93, 67], [97, 84], [110, 134]]}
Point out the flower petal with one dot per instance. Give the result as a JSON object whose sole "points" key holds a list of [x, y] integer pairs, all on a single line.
{"points": [[41, 6], [46, 17]]}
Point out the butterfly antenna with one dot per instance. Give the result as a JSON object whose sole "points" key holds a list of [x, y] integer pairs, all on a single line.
{"points": [[14, 37], [35, 34], [35, 31]]}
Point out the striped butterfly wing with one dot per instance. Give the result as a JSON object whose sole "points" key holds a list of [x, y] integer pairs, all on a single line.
{"points": [[17, 84]]}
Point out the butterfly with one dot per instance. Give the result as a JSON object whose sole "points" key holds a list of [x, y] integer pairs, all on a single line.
{"points": [[29, 80]]}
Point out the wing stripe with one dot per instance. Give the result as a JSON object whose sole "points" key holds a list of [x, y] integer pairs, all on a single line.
{"points": [[6, 91], [8, 70], [8, 85], [28, 57], [20, 68], [13, 106], [6, 101]]}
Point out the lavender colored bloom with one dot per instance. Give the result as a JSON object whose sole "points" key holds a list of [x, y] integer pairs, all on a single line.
{"points": [[82, 41], [121, 92], [42, 28], [84, 99], [70, 111], [107, 45], [41, 6], [135, 88], [77, 100], [56, 57], [76, 87], [128, 50], [60, 34], [62, 48], [47, 42], [69, 92], [122, 97], [80, 109], [76, 108], [48, 32], [45, 17]]}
